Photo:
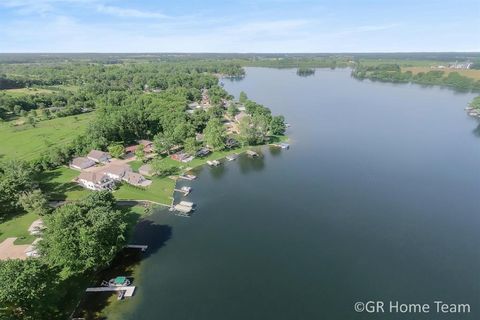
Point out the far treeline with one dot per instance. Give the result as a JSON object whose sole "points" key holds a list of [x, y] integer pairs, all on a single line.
{"points": [[393, 73]]}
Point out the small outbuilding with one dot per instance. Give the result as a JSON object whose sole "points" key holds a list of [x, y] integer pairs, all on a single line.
{"points": [[81, 163], [98, 156]]}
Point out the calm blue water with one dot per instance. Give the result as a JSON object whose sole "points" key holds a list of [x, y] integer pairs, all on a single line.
{"points": [[377, 199]]}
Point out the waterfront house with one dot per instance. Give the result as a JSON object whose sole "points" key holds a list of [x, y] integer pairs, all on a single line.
{"points": [[203, 152], [81, 163], [136, 179], [98, 156], [116, 171], [95, 181], [146, 170], [181, 156]]}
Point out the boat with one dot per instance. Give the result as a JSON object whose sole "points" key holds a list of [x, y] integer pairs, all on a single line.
{"points": [[120, 281], [251, 153], [213, 163], [186, 189], [284, 145], [232, 157], [182, 208], [187, 177]]}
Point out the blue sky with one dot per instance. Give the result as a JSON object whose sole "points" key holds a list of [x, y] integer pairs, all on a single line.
{"points": [[239, 26]]}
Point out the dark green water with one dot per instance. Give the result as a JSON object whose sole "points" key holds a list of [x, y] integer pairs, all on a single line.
{"points": [[377, 199]]}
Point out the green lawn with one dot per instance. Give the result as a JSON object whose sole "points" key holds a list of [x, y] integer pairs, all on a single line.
{"points": [[27, 143], [160, 190], [18, 227], [58, 184]]}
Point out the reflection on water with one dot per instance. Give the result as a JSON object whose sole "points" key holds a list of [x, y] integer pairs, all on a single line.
{"points": [[248, 164]]}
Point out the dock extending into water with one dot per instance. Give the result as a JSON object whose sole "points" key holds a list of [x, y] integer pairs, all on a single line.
{"points": [[128, 290], [137, 246]]}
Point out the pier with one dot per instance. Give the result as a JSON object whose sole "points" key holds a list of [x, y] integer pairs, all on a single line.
{"points": [[251, 153], [137, 246], [128, 290]]}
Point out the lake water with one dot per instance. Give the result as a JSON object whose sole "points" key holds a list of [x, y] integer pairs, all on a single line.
{"points": [[377, 199]]}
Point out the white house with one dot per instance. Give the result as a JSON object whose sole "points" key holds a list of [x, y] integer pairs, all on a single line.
{"points": [[81, 163], [95, 181], [98, 156], [116, 172]]}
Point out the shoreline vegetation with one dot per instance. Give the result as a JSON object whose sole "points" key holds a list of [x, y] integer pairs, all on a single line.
{"points": [[57, 107], [181, 107]]}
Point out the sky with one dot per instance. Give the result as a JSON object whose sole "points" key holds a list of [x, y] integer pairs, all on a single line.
{"points": [[261, 26]]}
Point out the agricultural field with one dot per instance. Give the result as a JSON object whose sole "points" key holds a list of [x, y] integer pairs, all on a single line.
{"points": [[26, 142], [470, 73]]}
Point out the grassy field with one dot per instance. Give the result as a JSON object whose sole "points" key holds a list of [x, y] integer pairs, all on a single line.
{"points": [[27, 143], [18, 227], [58, 184], [401, 62], [39, 90], [474, 74], [160, 190]]}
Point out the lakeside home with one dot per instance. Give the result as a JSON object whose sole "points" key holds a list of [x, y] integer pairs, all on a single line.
{"points": [[81, 163], [116, 172], [98, 156], [95, 181]]}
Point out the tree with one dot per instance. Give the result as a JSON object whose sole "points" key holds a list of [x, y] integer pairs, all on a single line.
{"points": [[34, 202], [140, 153], [277, 125], [116, 150], [15, 177], [31, 121], [26, 286], [247, 132], [163, 142], [83, 236], [232, 111], [190, 146], [243, 97], [162, 169], [214, 134]]}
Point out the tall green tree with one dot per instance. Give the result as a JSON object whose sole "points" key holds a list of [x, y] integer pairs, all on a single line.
{"points": [[15, 177], [163, 143], [243, 97], [215, 134], [277, 125], [34, 202], [26, 285], [83, 236], [116, 150]]}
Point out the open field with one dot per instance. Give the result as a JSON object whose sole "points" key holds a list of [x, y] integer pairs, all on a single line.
{"points": [[27, 143], [58, 184], [470, 73], [39, 90], [401, 62]]}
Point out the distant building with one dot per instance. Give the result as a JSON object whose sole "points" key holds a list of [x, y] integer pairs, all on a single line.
{"points": [[98, 156], [95, 181], [136, 179], [81, 163]]}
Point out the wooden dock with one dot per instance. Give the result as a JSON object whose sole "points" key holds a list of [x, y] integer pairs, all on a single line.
{"points": [[137, 246], [128, 290]]}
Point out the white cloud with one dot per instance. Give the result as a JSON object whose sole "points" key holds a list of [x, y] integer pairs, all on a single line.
{"points": [[128, 13]]}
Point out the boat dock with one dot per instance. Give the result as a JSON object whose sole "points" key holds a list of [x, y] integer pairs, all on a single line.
{"points": [[137, 246], [213, 163], [252, 153], [282, 145], [128, 290], [185, 190], [184, 207], [189, 177], [232, 157]]}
